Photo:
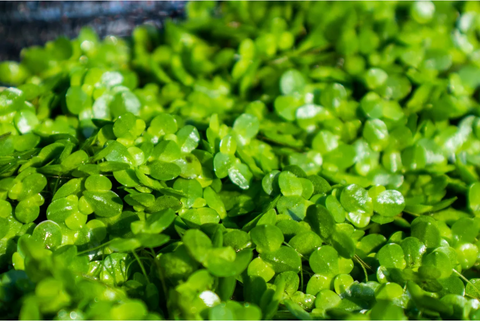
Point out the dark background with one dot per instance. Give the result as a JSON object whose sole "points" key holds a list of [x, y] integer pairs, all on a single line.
{"points": [[24, 24]]}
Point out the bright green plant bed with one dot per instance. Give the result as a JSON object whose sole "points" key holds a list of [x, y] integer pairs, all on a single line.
{"points": [[310, 160]]}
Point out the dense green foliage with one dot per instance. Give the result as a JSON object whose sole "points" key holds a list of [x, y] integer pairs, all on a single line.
{"points": [[310, 160]]}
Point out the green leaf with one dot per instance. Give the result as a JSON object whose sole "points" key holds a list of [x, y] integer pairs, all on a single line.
{"points": [[296, 310], [60, 209], [305, 243], [222, 164], [164, 171], [246, 127], [320, 185], [292, 81], [124, 245], [465, 230], [286, 107], [324, 261], [292, 281], [125, 126], [386, 310], [289, 184], [293, 206], [223, 262], [28, 209], [77, 100], [376, 134], [320, 220], [4, 227], [267, 238], [375, 77], [355, 198], [342, 283], [125, 102], [474, 198], [391, 256], [414, 157], [97, 183], [370, 244], [152, 240], [228, 144], [389, 291], [48, 233], [237, 239], [191, 188], [115, 152], [198, 244], [260, 268], [163, 124], [440, 261], [188, 138], [327, 299], [389, 203], [335, 208], [167, 151], [473, 288], [343, 243], [214, 202], [159, 221], [200, 216], [127, 178], [133, 309], [413, 251], [105, 204], [426, 230], [240, 175], [270, 182], [142, 199], [282, 260]]}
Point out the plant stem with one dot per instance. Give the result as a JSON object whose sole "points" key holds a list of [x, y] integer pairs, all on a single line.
{"points": [[141, 266], [466, 280], [94, 248], [362, 262], [363, 265], [293, 248], [410, 213], [55, 187], [301, 277], [160, 274], [153, 253], [364, 271]]}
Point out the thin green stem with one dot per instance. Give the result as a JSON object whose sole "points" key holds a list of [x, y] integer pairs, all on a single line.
{"points": [[301, 266], [301, 277], [94, 248], [362, 262], [141, 266], [153, 253], [466, 280], [127, 270], [365, 272], [410, 213], [363, 265], [160, 274], [56, 186], [293, 248], [102, 264]]}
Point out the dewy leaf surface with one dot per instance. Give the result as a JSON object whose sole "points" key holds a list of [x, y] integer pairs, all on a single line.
{"points": [[246, 161]]}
